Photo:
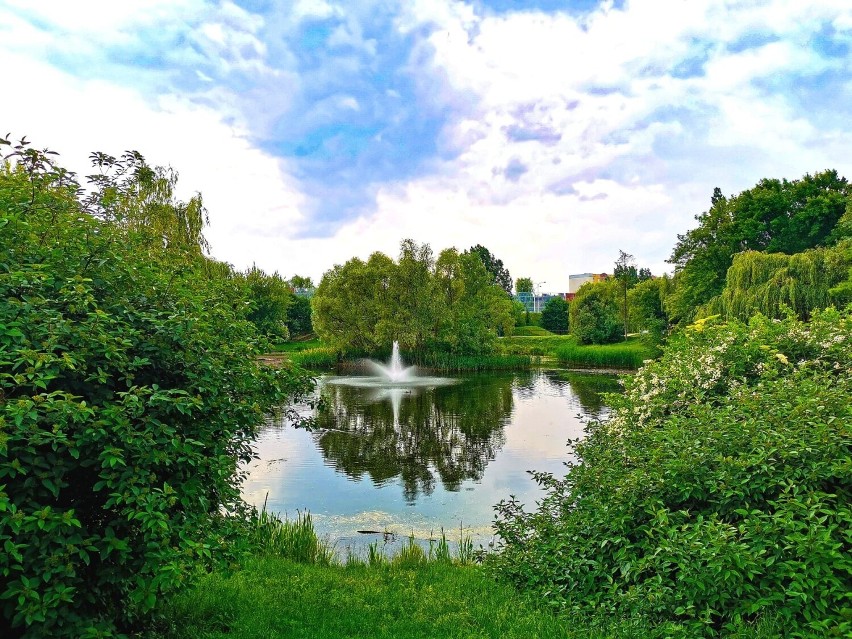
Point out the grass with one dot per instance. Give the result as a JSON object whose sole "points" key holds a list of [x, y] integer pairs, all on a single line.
{"points": [[457, 363], [293, 587], [275, 597], [527, 331], [534, 344], [629, 354], [322, 357]]}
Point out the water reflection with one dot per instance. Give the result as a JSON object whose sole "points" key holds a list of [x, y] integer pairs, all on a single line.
{"points": [[414, 461], [423, 436]]}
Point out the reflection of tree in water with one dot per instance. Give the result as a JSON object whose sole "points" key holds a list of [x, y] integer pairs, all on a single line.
{"points": [[589, 389], [449, 433]]}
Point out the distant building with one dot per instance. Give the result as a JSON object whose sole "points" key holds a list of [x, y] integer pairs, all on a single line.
{"points": [[535, 303], [576, 281]]}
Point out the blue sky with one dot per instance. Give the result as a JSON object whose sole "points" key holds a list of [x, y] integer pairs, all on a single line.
{"points": [[555, 133]]}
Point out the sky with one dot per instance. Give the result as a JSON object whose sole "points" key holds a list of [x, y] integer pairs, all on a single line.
{"points": [[555, 133]]}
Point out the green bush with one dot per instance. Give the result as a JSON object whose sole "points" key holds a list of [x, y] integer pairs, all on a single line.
{"points": [[129, 396], [718, 490]]}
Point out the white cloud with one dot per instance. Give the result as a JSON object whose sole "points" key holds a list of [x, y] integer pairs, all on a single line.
{"points": [[619, 152]]}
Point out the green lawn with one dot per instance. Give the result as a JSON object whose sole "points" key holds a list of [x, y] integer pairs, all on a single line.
{"points": [[273, 597]]}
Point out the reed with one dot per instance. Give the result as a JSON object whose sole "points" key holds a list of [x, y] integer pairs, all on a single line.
{"points": [[458, 363], [625, 355], [294, 539], [323, 357]]}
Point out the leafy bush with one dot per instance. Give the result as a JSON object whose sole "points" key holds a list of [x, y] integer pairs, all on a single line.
{"points": [[554, 317], [595, 316], [129, 395], [718, 491]]}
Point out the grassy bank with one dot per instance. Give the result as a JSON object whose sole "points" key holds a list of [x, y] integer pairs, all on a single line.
{"points": [[534, 345], [627, 355], [292, 587]]}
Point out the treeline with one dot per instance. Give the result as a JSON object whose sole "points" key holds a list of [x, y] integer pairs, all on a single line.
{"points": [[130, 393], [781, 246], [451, 304]]}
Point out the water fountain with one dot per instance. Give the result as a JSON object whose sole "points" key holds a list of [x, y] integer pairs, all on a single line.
{"points": [[395, 371], [390, 377]]}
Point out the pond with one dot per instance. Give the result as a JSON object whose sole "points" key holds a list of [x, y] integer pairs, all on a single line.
{"points": [[382, 464]]}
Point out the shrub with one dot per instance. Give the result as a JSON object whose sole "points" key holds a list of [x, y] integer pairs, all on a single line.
{"points": [[554, 317], [718, 490], [129, 395]]}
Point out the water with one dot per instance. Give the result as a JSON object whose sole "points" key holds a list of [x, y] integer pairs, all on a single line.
{"points": [[410, 459]]}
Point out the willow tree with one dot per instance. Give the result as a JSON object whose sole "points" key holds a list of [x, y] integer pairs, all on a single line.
{"points": [[768, 282], [140, 198]]}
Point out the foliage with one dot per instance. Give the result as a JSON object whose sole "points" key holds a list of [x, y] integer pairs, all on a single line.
{"points": [[129, 395], [630, 354], [773, 216], [445, 305], [499, 273], [299, 316], [626, 275], [646, 301], [717, 491], [318, 357], [140, 198], [554, 316], [524, 285], [772, 283], [270, 297], [293, 539], [300, 282], [594, 313]]}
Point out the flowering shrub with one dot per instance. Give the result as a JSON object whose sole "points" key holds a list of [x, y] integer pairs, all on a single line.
{"points": [[719, 489]]}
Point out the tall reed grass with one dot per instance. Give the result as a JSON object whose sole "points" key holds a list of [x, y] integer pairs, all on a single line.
{"points": [[294, 539], [458, 363], [627, 355], [323, 357]]}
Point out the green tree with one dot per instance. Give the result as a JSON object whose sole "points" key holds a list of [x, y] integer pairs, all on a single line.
{"points": [[270, 297], [775, 216], [554, 316], [299, 282], [353, 304], [647, 311], [494, 266], [524, 285], [299, 316], [594, 313], [130, 193], [626, 274]]}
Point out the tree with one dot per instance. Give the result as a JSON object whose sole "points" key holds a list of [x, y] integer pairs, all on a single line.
{"points": [[594, 313], [299, 316], [449, 304], [554, 316], [524, 285], [270, 297], [773, 216], [299, 282], [494, 266], [625, 273], [352, 306], [647, 312], [140, 198]]}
